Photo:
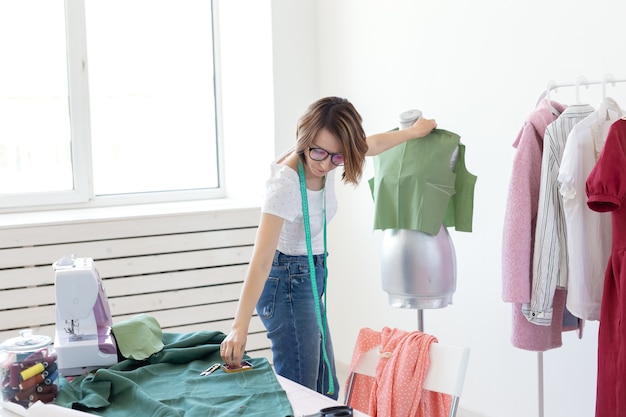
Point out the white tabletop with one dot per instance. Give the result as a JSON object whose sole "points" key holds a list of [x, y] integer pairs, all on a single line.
{"points": [[304, 401]]}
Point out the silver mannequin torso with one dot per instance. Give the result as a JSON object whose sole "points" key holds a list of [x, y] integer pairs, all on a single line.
{"points": [[418, 269]]}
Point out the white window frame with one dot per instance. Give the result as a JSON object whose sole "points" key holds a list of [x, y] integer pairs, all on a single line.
{"points": [[82, 196]]}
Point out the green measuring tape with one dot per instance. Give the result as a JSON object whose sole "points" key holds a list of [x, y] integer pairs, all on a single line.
{"points": [[321, 317]]}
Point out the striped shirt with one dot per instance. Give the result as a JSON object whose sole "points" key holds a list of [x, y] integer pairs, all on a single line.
{"points": [[550, 251]]}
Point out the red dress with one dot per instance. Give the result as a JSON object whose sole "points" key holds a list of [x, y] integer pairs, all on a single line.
{"points": [[606, 191]]}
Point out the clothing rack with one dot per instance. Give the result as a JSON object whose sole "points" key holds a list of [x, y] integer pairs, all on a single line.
{"points": [[581, 81]]}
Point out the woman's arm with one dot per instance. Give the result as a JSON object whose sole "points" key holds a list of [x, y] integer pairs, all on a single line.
{"points": [[234, 345], [380, 142]]}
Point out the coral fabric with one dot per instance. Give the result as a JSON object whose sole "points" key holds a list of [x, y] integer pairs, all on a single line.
{"points": [[396, 391]]}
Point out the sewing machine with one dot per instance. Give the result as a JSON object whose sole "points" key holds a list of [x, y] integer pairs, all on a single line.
{"points": [[83, 339]]}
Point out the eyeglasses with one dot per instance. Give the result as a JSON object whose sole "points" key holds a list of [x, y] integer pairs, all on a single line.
{"points": [[319, 154]]}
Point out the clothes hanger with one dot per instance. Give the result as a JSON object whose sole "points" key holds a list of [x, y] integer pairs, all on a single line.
{"points": [[551, 86], [607, 78], [580, 80], [607, 102]]}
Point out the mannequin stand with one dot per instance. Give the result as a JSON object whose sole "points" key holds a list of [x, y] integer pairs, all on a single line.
{"points": [[420, 320]]}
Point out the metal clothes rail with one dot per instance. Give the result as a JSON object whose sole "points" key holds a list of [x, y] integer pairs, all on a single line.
{"points": [[581, 81]]}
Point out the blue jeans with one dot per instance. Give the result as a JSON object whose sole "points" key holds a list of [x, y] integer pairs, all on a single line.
{"points": [[287, 309]]}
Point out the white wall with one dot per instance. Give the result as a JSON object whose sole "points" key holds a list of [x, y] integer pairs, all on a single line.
{"points": [[246, 81], [478, 68], [295, 46], [268, 64]]}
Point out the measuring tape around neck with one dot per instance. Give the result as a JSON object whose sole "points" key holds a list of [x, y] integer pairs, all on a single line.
{"points": [[321, 318]]}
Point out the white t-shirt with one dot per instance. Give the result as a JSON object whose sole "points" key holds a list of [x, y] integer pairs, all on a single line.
{"points": [[282, 198]]}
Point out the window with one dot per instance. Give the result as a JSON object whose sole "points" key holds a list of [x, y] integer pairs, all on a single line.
{"points": [[107, 101]]}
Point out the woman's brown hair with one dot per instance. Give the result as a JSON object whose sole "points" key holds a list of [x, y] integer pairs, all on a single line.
{"points": [[340, 118]]}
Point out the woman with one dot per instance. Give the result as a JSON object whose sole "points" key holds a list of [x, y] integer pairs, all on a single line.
{"points": [[279, 279]]}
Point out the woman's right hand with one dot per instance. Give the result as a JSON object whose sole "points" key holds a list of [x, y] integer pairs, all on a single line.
{"points": [[233, 347], [422, 127]]}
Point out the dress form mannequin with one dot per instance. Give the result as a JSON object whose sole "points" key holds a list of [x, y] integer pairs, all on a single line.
{"points": [[418, 269]]}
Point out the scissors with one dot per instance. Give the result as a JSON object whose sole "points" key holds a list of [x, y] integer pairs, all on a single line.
{"points": [[337, 411]]}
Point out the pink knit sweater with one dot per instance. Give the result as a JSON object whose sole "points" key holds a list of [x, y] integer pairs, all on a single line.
{"points": [[520, 219]]}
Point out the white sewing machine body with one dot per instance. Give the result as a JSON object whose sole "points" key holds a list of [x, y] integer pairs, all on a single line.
{"points": [[83, 338]]}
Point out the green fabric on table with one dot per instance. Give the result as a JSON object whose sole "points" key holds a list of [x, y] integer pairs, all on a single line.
{"points": [[138, 337], [169, 384]]}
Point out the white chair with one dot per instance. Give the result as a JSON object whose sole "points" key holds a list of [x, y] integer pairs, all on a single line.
{"points": [[446, 373]]}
